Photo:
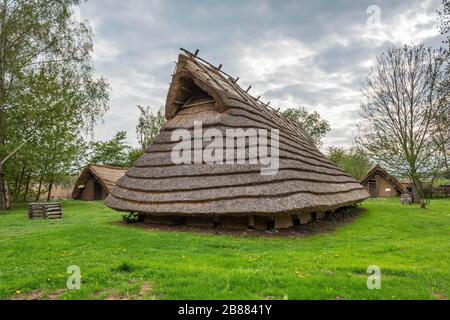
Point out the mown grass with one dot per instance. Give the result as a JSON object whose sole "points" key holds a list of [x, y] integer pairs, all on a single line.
{"points": [[410, 245]]}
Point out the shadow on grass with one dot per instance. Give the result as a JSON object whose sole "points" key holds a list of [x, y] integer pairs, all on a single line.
{"points": [[328, 224]]}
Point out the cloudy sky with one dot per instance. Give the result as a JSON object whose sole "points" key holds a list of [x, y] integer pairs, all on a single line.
{"points": [[309, 53]]}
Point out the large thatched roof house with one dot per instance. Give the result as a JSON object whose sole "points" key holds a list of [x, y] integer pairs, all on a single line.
{"points": [[380, 184], [96, 182], [305, 186]]}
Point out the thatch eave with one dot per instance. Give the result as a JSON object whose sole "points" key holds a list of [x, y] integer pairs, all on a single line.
{"points": [[377, 169], [107, 181]]}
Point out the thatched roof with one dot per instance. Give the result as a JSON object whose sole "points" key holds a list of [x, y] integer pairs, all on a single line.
{"points": [[306, 180], [405, 182], [378, 170], [107, 176]]}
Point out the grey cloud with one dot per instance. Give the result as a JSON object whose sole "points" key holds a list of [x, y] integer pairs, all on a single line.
{"points": [[137, 41]]}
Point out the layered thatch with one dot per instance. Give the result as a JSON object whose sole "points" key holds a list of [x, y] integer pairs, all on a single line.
{"points": [[306, 180], [381, 179], [406, 182], [105, 176]]}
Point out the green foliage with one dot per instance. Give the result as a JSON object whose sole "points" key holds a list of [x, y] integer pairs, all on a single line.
{"points": [[312, 123], [131, 217], [410, 245], [48, 92], [149, 125], [113, 152], [133, 155], [441, 182], [353, 161]]}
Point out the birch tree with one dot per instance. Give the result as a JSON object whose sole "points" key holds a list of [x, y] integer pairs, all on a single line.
{"points": [[37, 34]]}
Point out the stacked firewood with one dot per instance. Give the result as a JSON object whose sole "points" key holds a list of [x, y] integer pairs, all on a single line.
{"points": [[48, 210]]}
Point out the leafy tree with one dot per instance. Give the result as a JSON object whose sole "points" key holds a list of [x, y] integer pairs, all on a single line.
{"points": [[133, 155], [405, 102], [113, 152], [353, 161], [50, 108], [312, 123], [48, 93], [149, 125]]}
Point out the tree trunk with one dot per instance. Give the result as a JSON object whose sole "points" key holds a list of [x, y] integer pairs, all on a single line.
{"points": [[38, 195], [415, 192], [49, 190], [27, 188], [17, 190], [14, 189], [4, 197], [419, 195]]}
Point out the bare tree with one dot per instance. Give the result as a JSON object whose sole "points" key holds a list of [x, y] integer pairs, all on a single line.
{"points": [[405, 102]]}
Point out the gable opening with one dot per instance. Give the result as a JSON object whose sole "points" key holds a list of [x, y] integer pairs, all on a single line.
{"points": [[190, 94]]}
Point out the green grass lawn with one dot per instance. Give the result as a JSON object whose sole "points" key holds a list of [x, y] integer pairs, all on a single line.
{"points": [[410, 245]]}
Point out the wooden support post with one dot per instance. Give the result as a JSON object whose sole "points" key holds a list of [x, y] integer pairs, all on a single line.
{"points": [[217, 223], [186, 89], [283, 222], [296, 220], [251, 222], [270, 224], [320, 215], [304, 217]]}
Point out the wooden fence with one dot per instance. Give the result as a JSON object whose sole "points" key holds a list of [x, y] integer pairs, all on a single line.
{"points": [[438, 192]]}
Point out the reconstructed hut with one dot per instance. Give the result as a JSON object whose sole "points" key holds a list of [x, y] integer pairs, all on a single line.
{"points": [[406, 182], [305, 186], [96, 182], [380, 184]]}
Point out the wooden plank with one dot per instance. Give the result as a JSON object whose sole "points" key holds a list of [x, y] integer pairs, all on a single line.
{"points": [[45, 210]]}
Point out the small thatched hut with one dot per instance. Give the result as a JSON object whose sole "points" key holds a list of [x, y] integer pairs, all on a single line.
{"points": [[96, 182], [380, 184], [305, 187], [406, 182]]}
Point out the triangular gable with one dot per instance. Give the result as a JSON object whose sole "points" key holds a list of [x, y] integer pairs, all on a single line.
{"points": [[377, 169]]}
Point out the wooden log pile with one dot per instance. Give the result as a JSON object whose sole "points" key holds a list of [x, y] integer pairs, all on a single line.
{"points": [[406, 198], [48, 210]]}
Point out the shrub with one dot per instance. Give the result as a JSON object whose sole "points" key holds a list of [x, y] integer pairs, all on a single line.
{"points": [[131, 217]]}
